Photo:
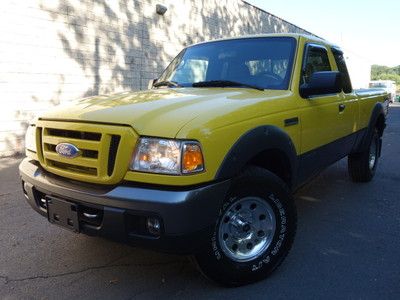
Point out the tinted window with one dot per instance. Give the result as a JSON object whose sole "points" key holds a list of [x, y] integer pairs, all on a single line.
{"points": [[264, 62], [192, 70], [341, 64], [316, 60]]}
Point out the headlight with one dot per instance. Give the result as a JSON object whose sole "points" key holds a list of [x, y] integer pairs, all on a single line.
{"points": [[30, 138], [167, 156]]}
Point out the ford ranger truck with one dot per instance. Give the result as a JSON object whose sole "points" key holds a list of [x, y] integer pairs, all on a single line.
{"points": [[205, 162]]}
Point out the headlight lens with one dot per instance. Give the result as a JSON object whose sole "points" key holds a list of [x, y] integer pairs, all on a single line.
{"points": [[30, 138], [167, 156]]}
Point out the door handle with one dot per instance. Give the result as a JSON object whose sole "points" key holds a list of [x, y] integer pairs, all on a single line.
{"points": [[342, 107], [292, 121]]}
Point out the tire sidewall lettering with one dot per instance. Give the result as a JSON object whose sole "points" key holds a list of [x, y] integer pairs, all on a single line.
{"points": [[280, 214], [274, 249]]}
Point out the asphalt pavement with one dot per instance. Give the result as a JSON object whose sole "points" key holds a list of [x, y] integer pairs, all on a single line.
{"points": [[347, 246]]}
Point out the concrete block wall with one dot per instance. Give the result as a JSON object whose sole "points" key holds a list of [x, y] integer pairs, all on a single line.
{"points": [[53, 51]]}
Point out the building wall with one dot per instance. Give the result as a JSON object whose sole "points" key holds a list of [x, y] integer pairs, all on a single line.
{"points": [[52, 51]]}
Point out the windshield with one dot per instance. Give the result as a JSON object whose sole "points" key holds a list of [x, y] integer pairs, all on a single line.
{"points": [[261, 62]]}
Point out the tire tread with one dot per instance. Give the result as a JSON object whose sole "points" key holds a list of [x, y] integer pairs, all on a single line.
{"points": [[358, 163], [256, 175]]}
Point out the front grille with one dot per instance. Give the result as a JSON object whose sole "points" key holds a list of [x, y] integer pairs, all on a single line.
{"points": [[112, 153], [73, 168], [82, 135], [102, 150]]}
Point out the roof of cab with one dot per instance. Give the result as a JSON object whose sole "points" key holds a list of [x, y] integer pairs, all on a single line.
{"points": [[294, 35]]}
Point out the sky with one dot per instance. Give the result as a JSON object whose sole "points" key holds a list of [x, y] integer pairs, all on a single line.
{"points": [[366, 28]]}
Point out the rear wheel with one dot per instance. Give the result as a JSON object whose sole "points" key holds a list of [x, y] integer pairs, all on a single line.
{"points": [[362, 166], [254, 231]]}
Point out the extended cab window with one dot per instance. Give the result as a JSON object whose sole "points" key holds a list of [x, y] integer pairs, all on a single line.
{"points": [[341, 64], [316, 60]]}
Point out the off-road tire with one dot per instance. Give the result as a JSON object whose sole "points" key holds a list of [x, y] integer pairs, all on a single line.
{"points": [[254, 183], [359, 164]]}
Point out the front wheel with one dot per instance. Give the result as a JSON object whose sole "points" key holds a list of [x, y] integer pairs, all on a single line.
{"points": [[254, 231]]}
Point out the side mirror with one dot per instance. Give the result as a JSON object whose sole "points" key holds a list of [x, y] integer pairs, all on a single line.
{"points": [[151, 83], [322, 83]]}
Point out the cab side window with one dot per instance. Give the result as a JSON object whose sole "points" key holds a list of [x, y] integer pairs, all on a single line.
{"points": [[316, 60], [341, 64]]}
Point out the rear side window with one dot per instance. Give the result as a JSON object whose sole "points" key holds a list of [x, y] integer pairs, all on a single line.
{"points": [[341, 64], [316, 60]]}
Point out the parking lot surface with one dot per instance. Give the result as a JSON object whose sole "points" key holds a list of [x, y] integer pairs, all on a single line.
{"points": [[347, 246]]}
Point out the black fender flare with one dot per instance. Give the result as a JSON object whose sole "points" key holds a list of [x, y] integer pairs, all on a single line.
{"points": [[254, 142], [377, 111]]}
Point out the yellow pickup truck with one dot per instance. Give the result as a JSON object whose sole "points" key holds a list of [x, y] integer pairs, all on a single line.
{"points": [[205, 162]]}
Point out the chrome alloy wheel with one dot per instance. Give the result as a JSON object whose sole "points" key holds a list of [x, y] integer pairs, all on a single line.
{"points": [[372, 154], [246, 229]]}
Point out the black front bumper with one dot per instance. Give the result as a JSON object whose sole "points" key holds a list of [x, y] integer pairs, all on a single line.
{"points": [[186, 214]]}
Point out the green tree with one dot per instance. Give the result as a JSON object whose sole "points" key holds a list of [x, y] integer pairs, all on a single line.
{"points": [[386, 73]]}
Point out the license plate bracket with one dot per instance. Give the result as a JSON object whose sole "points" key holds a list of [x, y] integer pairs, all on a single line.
{"points": [[63, 213]]}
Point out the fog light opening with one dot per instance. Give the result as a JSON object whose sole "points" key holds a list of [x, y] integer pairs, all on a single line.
{"points": [[43, 202], [154, 226], [25, 189]]}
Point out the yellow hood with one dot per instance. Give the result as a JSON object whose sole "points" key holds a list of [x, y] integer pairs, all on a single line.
{"points": [[163, 112]]}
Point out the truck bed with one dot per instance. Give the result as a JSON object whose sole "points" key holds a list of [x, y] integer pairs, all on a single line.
{"points": [[366, 93]]}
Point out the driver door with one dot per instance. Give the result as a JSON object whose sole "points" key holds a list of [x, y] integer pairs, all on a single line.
{"points": [[320, 116]]}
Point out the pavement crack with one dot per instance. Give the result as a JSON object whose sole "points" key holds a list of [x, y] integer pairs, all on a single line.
{"points": [[107, 266], [5, 278]]}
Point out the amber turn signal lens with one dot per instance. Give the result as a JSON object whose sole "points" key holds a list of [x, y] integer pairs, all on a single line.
{"points": [[192, 160]]}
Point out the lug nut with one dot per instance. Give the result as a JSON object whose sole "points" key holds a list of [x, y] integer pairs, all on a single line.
{"points": [[246, 228]]}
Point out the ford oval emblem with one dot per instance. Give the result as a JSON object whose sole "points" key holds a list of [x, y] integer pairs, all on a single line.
{"points": [[68, 150]]}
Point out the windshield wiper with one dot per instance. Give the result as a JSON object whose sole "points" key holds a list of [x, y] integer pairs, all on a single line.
{"points": [[166, 83], [225, 83]]}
